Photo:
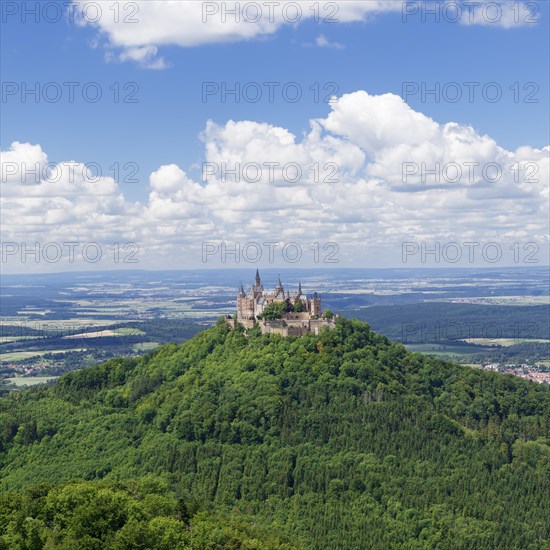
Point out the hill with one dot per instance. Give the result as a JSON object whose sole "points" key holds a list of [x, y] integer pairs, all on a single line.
{"points": [[447, 321], [340, 441]]}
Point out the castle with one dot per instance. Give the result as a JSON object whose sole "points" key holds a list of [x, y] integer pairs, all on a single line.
{"points": [[279, 313]]}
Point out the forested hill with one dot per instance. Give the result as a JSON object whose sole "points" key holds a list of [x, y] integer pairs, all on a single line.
{"points": [[338, 441]]}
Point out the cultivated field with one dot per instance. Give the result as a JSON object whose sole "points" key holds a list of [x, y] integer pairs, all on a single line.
{"points": [[505, 342]]}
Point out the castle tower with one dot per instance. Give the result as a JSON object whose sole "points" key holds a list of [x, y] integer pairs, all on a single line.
{"points": [[243, 305], [257, 289], [315, 307], [258, 281], [279, 290], [299, 294]]}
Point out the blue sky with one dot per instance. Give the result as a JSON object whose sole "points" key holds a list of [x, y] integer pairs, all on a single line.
{"points": [[377, 55]]}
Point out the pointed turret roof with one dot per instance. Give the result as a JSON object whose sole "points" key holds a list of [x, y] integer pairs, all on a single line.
{"points": [[242, 292], [258, 280], [279, 284]]}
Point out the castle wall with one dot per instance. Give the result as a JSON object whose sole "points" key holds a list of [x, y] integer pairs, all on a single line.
{"points": [[303, 316]]}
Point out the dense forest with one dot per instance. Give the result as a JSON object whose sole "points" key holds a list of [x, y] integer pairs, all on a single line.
{"points": [[115, 515], [444, 322], [528, 352], [339, 441]]}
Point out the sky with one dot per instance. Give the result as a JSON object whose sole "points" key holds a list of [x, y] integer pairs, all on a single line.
{"points": [[179, 134]]}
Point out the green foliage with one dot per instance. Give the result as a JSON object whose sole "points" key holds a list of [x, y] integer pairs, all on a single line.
{"points": [[327, 314], [342, 440], [275, 310], [110, 515]]}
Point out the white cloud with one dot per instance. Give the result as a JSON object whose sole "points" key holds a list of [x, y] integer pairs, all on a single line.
{"points": [[144, 56], [322, 42], [365, 183], [44, 200], [137, 29], [378, 122], [505, 13]]}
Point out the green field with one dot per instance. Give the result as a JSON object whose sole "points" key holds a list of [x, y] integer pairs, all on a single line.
{"points": [[18, 355], [8, 339], [505, 342], [145, 346], [450, 349], [117, 332], [21, 381], [128, 331]]}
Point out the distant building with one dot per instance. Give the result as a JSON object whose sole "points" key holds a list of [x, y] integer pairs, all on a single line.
{"points": [[301, 315], [492, 366], [540, 377]]}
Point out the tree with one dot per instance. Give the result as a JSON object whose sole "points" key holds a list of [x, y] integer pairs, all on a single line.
{"points": [[275, 310]]}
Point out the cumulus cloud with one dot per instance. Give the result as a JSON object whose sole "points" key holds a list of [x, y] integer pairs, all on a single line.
{"points": [[135, 30], [370, 175], [41, 199]]}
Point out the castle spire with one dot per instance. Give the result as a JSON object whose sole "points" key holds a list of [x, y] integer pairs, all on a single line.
{"points": [[258, 280], [279, 290], [300, 288], [242, 293]]}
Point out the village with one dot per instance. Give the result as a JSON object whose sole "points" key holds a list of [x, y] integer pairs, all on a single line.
{"points": [[536, 373]]}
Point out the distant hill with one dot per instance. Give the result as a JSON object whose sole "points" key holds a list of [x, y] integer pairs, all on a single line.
{"points": [[444, 321], [339, 441]]}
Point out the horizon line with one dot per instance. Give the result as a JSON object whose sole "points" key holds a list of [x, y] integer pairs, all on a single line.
{"points": [[401, 268]]}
